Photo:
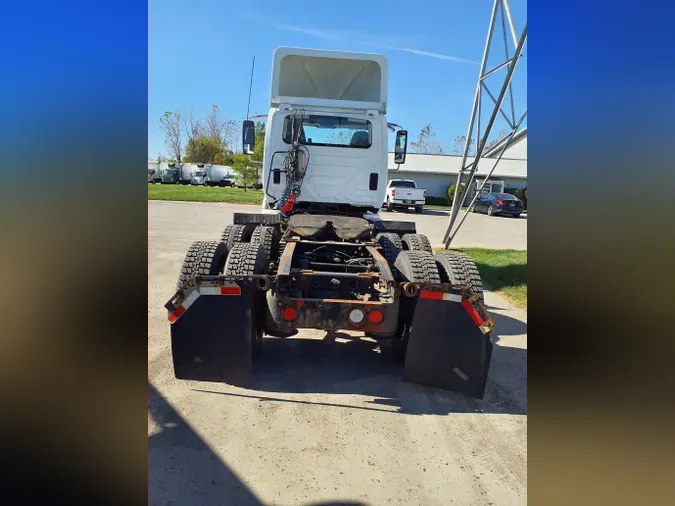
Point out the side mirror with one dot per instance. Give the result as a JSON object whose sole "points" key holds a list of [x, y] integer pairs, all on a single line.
{"points": [[400, 147], [248, 136]]}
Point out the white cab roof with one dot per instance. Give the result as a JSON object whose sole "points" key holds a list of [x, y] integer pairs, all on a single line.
{"points": [[329, 78]]}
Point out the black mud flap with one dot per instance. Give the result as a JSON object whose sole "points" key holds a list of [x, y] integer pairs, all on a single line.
{"points": [[447, 348], [211, 339]]}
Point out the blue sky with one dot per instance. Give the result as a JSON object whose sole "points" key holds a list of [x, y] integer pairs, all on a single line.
{"points": [[200, 54]]}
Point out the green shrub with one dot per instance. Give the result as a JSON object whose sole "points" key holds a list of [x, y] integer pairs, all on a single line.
{"points": [[515, 192], [450, 192]]}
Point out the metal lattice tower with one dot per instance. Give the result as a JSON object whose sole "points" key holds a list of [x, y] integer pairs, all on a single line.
{"points": [[502, 10]]}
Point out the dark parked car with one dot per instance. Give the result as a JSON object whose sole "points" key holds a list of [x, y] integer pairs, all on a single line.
{"points": [[498, 203], [227, 180]]}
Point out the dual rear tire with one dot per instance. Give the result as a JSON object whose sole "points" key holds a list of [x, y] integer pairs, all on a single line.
{"points": [[212, 258], [415, 267]]}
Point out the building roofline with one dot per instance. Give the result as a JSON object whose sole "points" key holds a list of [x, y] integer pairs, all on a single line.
{"points": [[494, 149], [454, 156]]}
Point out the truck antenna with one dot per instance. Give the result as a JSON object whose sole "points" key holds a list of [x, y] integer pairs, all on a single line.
{"points": [[248, 108]]}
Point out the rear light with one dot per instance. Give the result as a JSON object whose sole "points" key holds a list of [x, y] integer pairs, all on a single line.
{"points": [[375, 316], [425, 194], [500, 202], [356, 316], [289, 313]]}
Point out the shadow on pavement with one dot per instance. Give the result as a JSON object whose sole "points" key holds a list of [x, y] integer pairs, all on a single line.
{"points": [[507, 326], [361, 366], [184, 471], [431, 212]]}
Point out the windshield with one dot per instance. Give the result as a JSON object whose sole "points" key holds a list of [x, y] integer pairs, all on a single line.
{"points": [[337, 131], [403, 184], [504, 196]]}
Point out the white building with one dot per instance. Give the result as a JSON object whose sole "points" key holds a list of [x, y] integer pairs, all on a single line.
{"points": [[435, 173]]}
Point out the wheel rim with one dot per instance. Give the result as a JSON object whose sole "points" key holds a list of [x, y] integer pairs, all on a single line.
{"points": [[490, 211]]}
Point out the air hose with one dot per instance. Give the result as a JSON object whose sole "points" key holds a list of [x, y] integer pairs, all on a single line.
{"points": [[294, 174]]}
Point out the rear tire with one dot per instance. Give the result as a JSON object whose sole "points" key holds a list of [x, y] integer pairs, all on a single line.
{"points": [[516, 215], [416, 242], [267, 237], [390, 206], [418, 209], [233, 234], [459, 269], [391, 247], [416, 267], [246, 259], [490, 211], [203, 258]]}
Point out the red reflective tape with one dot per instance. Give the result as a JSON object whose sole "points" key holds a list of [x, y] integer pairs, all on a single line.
{"points": [[176, 314], [230, 290], [299, 303], [472, 312], [426, 294]]}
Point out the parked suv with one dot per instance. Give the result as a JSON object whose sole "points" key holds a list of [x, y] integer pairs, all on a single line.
{"points": [[498, 203]]}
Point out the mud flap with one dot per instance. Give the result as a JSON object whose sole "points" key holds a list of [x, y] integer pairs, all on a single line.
{"points": [[211, 338], [447, 346]]}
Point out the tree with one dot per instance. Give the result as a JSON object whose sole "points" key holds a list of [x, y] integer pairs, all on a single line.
{"points": [[259, 149], [501, 135], [450, 192], [204, 149], [458, 146], [191, 126], [425, 145], [213, 125], [170, 124], [231, 135], [246, 171]]}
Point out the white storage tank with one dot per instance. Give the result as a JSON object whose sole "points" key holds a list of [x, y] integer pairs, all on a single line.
{"points": [[153, 171], [217, 172]]}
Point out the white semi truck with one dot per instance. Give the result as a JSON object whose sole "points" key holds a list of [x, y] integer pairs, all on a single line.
{"points": [[318, 255]]}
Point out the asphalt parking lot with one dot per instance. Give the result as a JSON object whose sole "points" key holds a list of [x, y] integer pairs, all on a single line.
{"points": [[329, 422]]}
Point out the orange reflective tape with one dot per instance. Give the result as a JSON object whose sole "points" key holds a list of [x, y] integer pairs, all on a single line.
{"points": [[472, 312], [176, 314], [230, 290], [427, 294]]}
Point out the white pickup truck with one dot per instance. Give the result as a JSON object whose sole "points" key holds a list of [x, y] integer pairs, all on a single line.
{"points": [[404, 193]]}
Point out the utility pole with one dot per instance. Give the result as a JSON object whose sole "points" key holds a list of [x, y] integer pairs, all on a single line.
{"points": [[509, 63]]}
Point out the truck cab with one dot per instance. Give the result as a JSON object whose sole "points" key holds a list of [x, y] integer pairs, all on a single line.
{"points": [[171, 175], [333, 105], [199, 178]]}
